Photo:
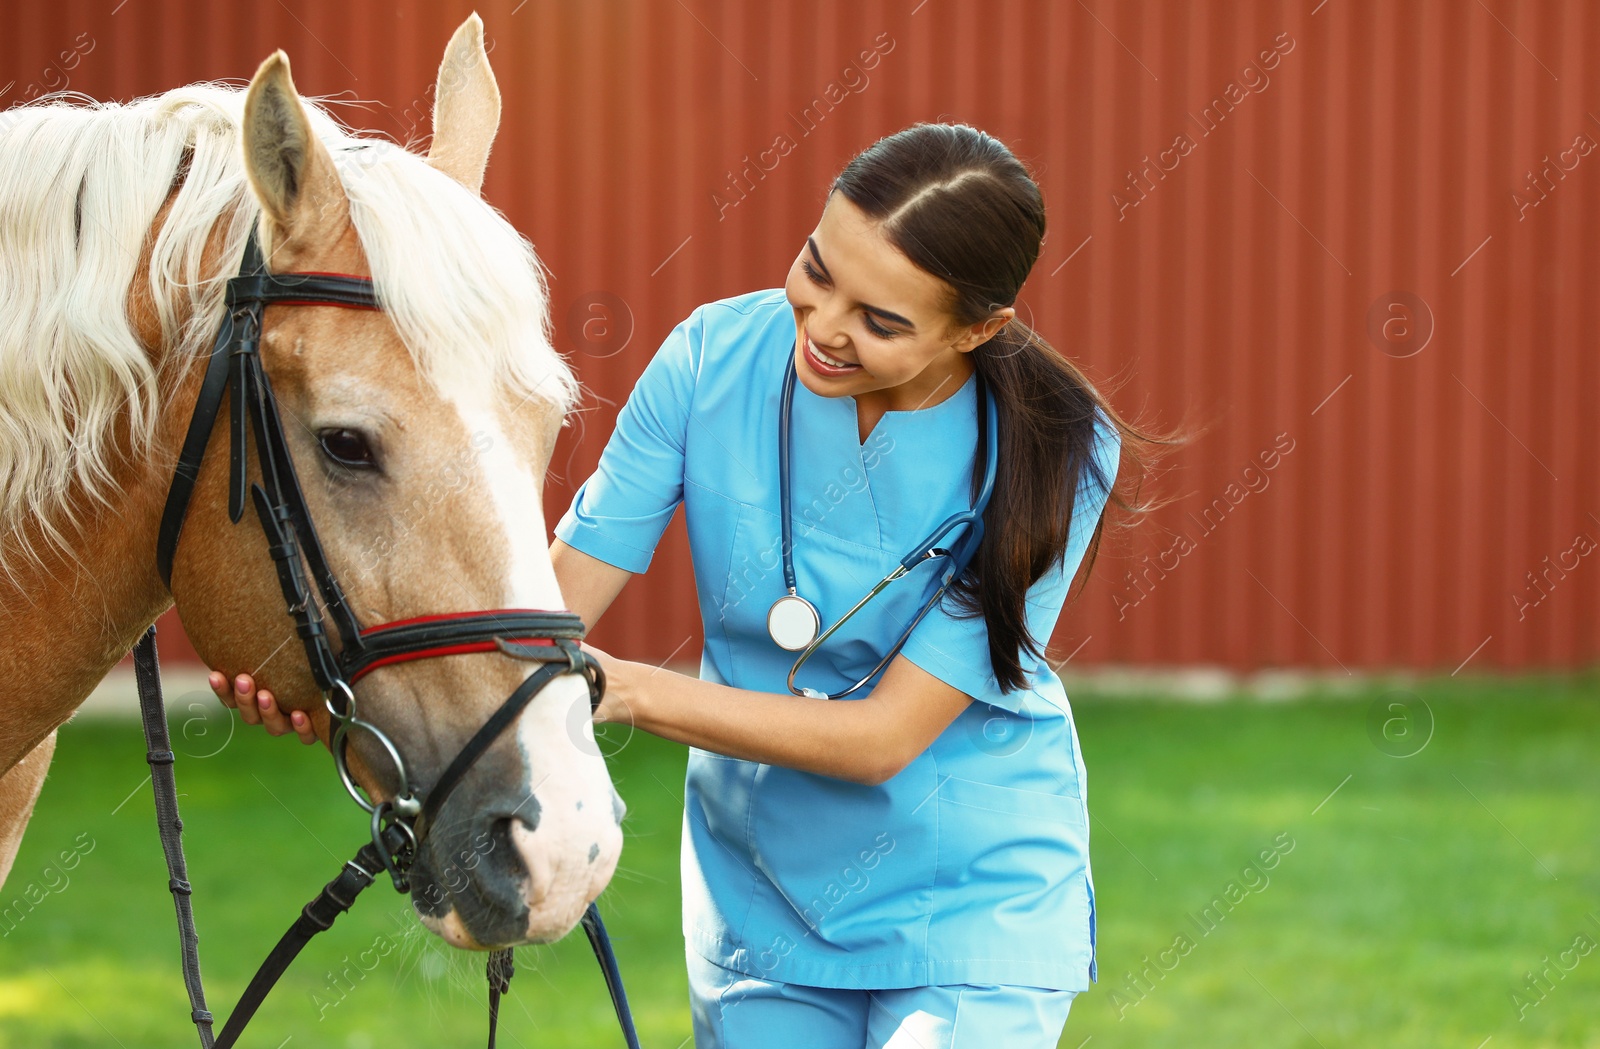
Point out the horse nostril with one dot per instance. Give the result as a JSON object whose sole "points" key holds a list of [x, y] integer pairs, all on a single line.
{"points": [[501, 838], [619, 808], [511, 834]]}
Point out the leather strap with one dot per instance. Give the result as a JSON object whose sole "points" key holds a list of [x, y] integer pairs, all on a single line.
{"points": [[281, 485], [317, 916], [454, 633], [153, 713], [201, 423], [302, 289], [499, 971], [451, 777], [601, 943]]}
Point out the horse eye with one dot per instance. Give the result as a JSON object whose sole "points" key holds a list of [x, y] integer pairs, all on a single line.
{"points": [[347, 448]]}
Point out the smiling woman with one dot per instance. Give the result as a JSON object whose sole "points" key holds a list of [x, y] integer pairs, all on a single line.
{"points": [[897, 319]]}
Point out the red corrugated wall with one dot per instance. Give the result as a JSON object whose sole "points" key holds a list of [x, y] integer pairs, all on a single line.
{"points": [[1365, 261]]}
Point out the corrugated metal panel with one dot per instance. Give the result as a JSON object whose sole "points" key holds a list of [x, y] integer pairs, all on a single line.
{"points": [[1387, 148]]}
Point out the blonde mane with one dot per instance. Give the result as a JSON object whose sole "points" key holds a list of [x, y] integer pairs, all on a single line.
{"points": [[81, 183]]}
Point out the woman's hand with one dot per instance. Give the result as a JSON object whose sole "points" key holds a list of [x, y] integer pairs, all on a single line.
{"points": [[617, 704], [260, 707]]}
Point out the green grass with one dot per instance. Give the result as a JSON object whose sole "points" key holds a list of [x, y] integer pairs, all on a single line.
{"points": [[1412, 905]]}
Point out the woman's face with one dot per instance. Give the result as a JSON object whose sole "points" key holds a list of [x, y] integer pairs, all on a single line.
{"points": [[870, 322]]}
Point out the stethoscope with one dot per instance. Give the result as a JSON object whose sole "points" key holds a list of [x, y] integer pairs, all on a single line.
{"points": [[793, 622]]}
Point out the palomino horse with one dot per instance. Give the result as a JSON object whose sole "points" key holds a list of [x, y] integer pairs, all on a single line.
{"points": [[421, 434]]}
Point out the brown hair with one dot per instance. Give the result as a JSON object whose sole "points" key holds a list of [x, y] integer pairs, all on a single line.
{"points": [[959, 205]]}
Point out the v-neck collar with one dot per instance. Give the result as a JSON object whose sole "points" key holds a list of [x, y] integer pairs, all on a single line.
{"points": [[913, 463], [925, 406], [899, 418]]}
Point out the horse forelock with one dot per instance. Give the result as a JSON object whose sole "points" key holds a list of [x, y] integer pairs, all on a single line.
{"points": [[81, 184]]}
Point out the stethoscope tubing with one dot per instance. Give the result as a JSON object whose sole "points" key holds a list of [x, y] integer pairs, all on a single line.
{"points": [[958, 557]]}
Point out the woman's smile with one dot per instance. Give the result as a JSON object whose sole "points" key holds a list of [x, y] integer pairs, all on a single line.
{"points": [[821, 362]]}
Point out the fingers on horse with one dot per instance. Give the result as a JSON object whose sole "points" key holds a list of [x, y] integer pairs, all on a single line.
{"points": [[245, 699], [303, 727], [277, 721], [260, 707], [282, 722], [231, 694], [219, 688]]}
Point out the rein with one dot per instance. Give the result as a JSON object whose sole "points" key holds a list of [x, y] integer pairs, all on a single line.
{"points": [[401, 823]]}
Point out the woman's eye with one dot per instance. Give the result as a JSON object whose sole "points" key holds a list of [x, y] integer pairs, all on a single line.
{"points": [[347, 448], [873, 326], [879, 330]]}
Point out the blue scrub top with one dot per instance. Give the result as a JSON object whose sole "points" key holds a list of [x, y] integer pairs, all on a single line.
{"points": [[972, 864]]}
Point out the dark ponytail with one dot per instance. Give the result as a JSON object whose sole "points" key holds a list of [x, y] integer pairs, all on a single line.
{"points": [[959, 205]]}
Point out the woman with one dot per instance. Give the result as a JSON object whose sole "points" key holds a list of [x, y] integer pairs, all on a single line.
{"points": [[909, 865]]}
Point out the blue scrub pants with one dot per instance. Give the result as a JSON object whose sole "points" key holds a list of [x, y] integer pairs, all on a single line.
{"points": [[735, 1011]]}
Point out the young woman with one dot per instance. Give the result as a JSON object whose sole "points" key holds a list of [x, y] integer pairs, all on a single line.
{"points": [[908, 864]]}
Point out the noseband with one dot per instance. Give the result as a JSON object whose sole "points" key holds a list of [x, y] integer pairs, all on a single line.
{"points": [[400, 823]]}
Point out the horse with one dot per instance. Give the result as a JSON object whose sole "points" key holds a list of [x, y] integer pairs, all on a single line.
{"points": [[422, 432]]}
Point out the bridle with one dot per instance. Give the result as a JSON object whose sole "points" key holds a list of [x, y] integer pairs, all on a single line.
{"points": [[400, 823]]}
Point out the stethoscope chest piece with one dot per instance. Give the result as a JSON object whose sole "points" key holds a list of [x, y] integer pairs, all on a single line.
{"points": [[793, 622]]}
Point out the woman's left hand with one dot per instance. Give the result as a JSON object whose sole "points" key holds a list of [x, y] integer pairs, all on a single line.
{"points": [[260, 707], [618, 704]]}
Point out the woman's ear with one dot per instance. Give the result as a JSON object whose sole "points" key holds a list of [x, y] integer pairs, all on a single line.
{"points": [[976, 335]]}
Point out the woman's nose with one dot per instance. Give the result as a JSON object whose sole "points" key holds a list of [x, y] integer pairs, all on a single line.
{"points": [[826, 324]]}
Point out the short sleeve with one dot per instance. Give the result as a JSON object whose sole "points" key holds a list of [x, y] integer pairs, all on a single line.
{"points": [[956, 650], [620, 512]]}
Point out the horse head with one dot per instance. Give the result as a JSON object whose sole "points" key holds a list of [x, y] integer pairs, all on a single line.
{"points": [[420, 433]]}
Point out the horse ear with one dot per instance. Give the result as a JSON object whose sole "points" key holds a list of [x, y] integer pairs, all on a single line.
{"points": [[466, 107], [291, 171]]}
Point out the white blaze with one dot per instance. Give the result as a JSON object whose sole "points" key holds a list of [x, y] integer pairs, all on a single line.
{"points": [[568, 775], [531, 581]]}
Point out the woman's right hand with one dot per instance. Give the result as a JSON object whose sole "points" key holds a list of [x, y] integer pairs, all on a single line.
{"points": [[261, 707]]}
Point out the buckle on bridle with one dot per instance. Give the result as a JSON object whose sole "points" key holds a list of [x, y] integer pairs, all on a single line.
{"points": [[397, 861]]}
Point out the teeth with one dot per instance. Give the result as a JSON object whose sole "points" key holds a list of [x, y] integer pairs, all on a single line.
{"points": [[825, 358]]}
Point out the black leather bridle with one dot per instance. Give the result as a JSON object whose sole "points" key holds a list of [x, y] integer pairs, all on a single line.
{"points": [[400, 823]]}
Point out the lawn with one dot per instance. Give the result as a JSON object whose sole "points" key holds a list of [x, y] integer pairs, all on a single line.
{"points": [[1402, 900]]}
